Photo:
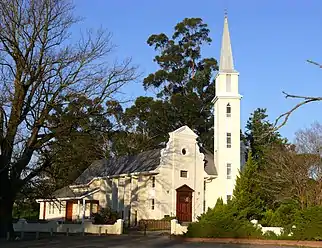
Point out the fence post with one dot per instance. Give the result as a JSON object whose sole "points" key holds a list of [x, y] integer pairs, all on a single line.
{"points": [[83, 231], [51, 232], [67, 231], [99, 231], [105, 231], [145, 226], [8, 236], [37, 235]]}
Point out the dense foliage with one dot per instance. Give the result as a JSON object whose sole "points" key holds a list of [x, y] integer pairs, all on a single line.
{"points": [[278, 186], [185, 87], [106, 216], [308, 224], [223, 221]]}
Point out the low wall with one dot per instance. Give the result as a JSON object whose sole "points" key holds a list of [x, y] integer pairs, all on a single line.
{"points": [[277, 230], [177, 229], [53, 226]]}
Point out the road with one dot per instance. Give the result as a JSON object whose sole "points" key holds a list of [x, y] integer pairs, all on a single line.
{"points": [[123, 241]]}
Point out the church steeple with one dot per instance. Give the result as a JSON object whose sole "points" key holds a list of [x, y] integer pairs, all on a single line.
{"points": [[226, 56], [226, 125]]}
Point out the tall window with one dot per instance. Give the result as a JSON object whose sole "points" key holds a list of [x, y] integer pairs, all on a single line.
{"points": [[228, 140], [153, 182], [228, 110], [228, 83], [152, 204], [228, 171]]}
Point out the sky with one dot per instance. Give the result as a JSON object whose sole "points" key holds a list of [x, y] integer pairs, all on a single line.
{"points": [[271, 41]]}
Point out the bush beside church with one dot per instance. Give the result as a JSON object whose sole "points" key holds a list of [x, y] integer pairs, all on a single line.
{"points": [[224, 221]]}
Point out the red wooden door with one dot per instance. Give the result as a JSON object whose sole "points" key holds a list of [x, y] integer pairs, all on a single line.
{"points": [[184, 204], [69, 210]]}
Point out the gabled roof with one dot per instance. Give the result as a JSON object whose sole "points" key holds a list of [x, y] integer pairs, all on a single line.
{"points": [[142, 162], [184, 130]]}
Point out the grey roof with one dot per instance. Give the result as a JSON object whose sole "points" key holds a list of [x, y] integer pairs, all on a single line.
{"points": [[67, 192], [210, 167], [145, 161]]}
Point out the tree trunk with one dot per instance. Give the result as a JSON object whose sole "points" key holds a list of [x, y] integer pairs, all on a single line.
{"points": [[6, 202], [6, 205]]}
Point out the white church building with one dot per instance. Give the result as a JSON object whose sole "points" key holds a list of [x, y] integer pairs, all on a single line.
{"points": [[181, 180]]}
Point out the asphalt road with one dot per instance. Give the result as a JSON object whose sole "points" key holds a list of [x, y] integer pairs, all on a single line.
{"points": [[122, 241]]}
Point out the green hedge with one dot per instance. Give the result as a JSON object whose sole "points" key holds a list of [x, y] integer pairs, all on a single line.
{"points": [[308, 224], [222, 221]]}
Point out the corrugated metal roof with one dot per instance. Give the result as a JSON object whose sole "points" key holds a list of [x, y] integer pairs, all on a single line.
{"points": [[145, 161]]}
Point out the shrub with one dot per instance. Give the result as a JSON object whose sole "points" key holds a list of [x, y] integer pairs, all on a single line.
{"points": [[106, 216], [283, 216], [308, 224], [270, 235], [222, 221]]}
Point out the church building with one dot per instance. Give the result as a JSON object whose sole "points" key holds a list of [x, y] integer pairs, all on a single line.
{"points": [[181, 180]]}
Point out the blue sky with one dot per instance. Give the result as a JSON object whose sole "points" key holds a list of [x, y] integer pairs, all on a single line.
{"points": [[271, 41]]}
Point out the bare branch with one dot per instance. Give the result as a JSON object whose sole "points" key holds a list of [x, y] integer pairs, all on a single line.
{"points": [[283, 118]]}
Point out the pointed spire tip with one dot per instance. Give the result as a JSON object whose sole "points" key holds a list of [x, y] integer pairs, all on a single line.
{"points": [[226, 57]]}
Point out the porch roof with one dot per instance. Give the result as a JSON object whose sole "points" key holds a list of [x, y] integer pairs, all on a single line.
{"points": [[67, 193]]}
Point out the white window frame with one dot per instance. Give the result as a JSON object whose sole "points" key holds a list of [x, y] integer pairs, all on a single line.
{"points": [[181, 174], [228, 110], [228, 170], [228, 140]]}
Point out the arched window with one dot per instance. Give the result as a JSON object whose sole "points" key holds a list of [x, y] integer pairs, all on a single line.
{"points": [[228, 110]]}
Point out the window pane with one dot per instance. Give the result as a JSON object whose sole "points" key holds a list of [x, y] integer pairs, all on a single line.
{"points": [[228, 171], [228, 110], [228, 140], [183, 173]]}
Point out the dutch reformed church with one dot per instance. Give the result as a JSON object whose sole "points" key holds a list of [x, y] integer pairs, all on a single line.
{"points": [[180, 180]]}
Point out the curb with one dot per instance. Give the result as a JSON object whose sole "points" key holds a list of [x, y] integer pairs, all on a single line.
{"points": [[253, 241]]}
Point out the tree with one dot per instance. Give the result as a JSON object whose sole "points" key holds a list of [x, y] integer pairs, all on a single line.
{"points": [[287, 176], [185, 85], [259, 137], [80, 137], [259, 140], [309, 140], [283, 118], [246, 199], [40, 70]]}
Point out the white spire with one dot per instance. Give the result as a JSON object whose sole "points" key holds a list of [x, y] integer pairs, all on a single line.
{"points": [[226, 56]]}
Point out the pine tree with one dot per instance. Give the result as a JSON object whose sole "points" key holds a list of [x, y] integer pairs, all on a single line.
{"points": [[247, 200]]}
